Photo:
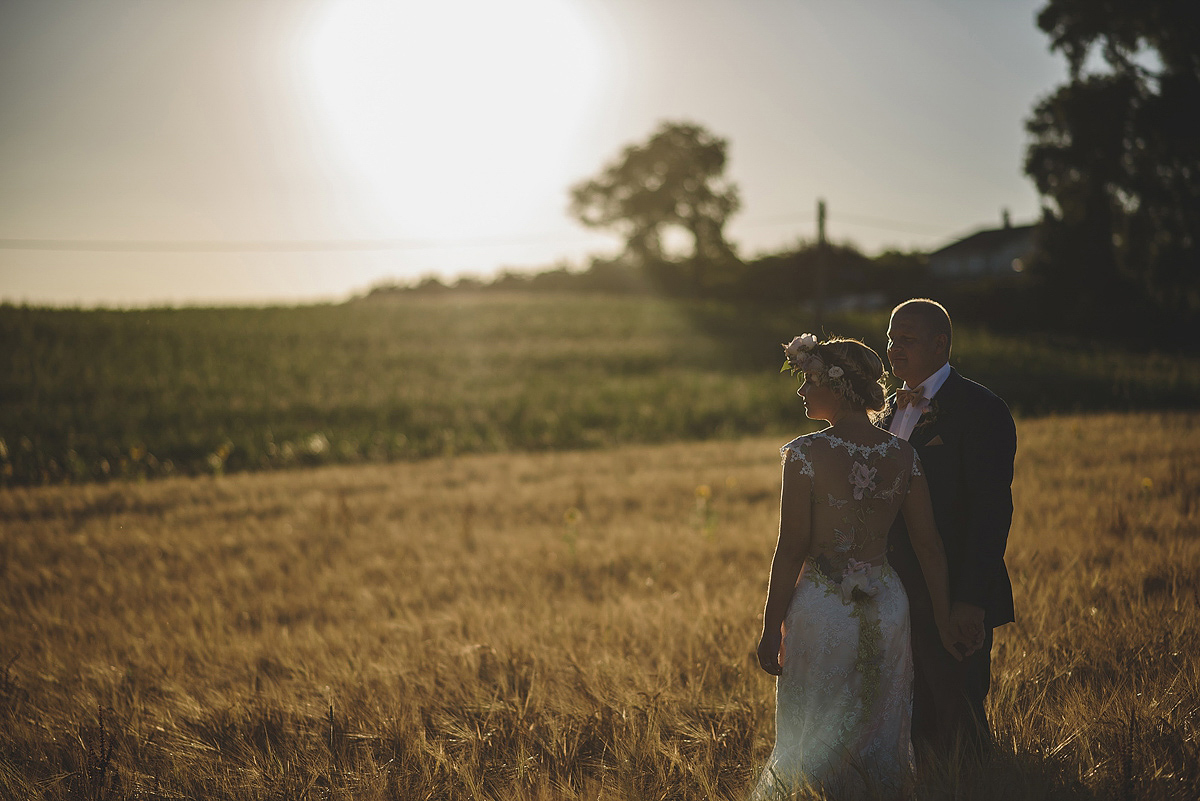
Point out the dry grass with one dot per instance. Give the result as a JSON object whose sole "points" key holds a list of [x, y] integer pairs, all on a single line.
{"points": [[574, 625]]}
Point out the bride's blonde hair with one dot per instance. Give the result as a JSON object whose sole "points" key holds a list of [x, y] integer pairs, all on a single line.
{"points": [[863, 369]]}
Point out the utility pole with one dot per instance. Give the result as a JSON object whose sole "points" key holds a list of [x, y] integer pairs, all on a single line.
{"points": [[821, 266]]}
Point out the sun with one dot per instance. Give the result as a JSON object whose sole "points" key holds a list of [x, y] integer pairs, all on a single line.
{"points": [[458, 117]]}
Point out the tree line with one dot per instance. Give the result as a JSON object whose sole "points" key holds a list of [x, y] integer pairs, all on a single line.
{"points": [[1114, 153], [675, 180]]}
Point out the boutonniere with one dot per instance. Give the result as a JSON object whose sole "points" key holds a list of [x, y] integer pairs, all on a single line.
{"points": [[929, 416]]}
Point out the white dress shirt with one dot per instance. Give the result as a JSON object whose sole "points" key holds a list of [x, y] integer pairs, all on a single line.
{"points": [[905, 420]]}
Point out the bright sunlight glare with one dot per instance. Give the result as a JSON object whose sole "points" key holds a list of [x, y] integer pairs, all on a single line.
{"points": [[459, 117]]}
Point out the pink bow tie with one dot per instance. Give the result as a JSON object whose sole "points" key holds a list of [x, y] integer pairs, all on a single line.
{"points": [[910, 397]]}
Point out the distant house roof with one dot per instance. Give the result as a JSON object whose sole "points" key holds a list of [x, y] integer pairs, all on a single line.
{"points": [[992, 251], [988, 240]]}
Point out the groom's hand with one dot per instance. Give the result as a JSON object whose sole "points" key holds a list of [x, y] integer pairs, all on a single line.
{"points": [[966, 621]]}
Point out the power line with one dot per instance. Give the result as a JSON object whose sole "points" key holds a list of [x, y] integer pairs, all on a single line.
{"points": [[160, 246], [364, 245], [880, 223], [895, 225], [281, 246]]}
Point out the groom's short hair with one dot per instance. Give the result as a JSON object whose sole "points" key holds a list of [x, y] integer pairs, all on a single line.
{"points": [[932, 314]]}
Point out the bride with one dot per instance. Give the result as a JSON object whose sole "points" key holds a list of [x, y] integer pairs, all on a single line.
{"points": [[835, 627]]}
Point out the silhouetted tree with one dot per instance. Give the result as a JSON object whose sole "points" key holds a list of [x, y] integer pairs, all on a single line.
{"points": [[1117, 154], [674, 179]]}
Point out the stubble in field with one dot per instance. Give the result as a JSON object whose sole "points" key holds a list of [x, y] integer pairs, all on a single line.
{"points": [[572, 625]]}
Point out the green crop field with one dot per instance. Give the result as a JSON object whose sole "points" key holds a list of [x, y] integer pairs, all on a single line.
{"points": [[90, 395]]}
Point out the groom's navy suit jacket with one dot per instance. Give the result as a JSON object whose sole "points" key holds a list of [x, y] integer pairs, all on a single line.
{"points": [[967, 443]]}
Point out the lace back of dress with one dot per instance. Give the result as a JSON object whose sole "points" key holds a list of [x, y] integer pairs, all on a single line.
{"points": [[858, 490]]}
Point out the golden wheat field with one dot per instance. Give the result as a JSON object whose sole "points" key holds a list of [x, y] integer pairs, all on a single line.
{"points": [[570, 625]]}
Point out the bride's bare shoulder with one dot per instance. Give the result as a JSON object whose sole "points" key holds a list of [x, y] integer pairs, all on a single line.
{"points": [[804, 440], [800, 450]]}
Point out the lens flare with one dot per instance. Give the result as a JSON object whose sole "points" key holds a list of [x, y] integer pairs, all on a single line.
{"points": [[455, 116]]}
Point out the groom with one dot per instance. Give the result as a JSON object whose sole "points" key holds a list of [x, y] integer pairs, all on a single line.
{"points": [[966, 439]]}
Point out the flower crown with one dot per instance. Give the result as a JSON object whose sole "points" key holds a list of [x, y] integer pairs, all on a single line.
{"points": [[802, 357]]}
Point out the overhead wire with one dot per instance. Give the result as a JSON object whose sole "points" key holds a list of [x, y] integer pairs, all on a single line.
{"points": [[353, 245]]}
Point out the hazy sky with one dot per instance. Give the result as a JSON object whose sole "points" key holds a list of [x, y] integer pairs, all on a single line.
{"points": [[445, 135]]}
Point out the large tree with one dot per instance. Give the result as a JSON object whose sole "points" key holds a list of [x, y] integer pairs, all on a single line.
{"points": [[1116, 153], [676, 178]]}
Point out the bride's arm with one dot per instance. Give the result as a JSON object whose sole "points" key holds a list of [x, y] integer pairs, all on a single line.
{"points": [[795, 530], [922, 532]]}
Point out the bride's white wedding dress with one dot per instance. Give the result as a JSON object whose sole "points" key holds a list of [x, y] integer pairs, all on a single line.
{"points": [[844, 701]]}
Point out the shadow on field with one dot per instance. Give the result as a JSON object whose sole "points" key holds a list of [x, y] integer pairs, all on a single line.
{"points": [[748, 339], [1001, 776], [1036, 375]]}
